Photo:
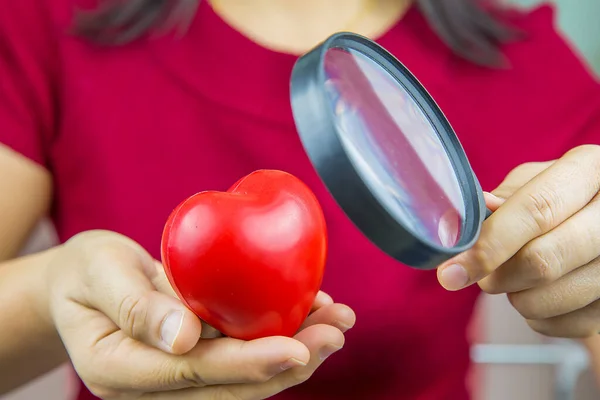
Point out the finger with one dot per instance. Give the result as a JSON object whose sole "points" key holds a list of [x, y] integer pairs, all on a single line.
{"points": [[322, 340], [159, 279], [582, 323], [161, 283], [119, 287], [322, 299], [227, 360], [519, 176], [573, 243], [208, 332], [570, 293], [338, 315], [139, 368], [540, 205], [492, 201]]}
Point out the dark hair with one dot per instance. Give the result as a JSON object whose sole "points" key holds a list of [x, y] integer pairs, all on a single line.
{"points": [[468, 28]]}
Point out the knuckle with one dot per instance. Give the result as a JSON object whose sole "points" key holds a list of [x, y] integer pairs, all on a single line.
{"points": [[521, 168], [93, 241], [185, 374], [251, 373], [591, 149], [133, 315], [542, 264], [526, 170], [586, 158], [258, 376], [594, 151], [101, 258], [542, 207], [484, 255]]}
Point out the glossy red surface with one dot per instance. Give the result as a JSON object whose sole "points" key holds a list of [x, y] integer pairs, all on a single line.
{"points": [[248, 261]]}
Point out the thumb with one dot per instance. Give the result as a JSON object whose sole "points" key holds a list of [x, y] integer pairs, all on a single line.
{"points": [[159, 320], [120, 288]]}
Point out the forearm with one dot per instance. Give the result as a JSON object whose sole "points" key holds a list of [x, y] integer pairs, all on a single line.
{"points": [[29, 344]]}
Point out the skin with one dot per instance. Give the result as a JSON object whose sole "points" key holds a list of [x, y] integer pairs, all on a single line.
{"points": [[62, 304], [497, 237], [593, 346], [541, 247], [296, 26], [30, 188], [101, 299], [108, 300]]}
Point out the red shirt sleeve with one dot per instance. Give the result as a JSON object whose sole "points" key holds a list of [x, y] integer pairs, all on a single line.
{"points": [[28, 78]]}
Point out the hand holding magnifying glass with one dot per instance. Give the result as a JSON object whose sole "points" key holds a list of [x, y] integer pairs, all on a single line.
{"points": [[393, 163], [542, 245]]}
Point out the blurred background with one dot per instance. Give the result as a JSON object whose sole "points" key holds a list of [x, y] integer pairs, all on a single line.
{"points": [[513, 363]]}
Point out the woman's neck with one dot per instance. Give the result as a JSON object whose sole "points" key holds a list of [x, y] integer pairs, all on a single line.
{"points": [[295, 26]]}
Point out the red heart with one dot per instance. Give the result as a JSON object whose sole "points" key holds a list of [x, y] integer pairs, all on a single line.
{"points": [[249, 261]]}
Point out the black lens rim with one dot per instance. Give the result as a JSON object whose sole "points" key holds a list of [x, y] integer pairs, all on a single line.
{"points": [[320, 137]]}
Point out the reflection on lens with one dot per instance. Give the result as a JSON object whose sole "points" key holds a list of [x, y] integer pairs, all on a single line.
{"points": [[394, 147]]}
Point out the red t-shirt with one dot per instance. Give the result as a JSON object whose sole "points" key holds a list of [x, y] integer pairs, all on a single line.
{"points": [[128, 132]]}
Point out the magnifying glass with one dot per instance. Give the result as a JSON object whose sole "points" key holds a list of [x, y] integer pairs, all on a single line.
{"points": [[386, 152]]}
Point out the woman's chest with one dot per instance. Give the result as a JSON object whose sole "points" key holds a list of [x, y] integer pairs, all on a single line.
{"points": [[137, 135]]}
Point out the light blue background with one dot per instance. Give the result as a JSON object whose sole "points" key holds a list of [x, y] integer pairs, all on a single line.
{"points": [[580, 20]]}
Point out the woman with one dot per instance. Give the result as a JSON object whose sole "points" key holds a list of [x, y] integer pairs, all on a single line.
{"points": [[110, 127]]}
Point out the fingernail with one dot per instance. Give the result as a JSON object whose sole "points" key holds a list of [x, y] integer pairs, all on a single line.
{"points": [[291, 363], [342, 326], [327, 351], [324, 298], [454, 277], [497, 201], [170, 327], [492, 195]]}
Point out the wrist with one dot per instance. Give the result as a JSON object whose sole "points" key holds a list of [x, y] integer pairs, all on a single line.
{"points": [[40, 284], [29, 342]]}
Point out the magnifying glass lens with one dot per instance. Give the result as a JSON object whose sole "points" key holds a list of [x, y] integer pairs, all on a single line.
{"points": [[394, 146]]}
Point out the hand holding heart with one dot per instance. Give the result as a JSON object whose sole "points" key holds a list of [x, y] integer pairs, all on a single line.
{"points": [[542, 245], [130, 337], [249, 262]]}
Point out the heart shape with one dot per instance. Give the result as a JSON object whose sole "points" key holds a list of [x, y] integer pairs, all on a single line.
{"points": [[249, 261]]}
